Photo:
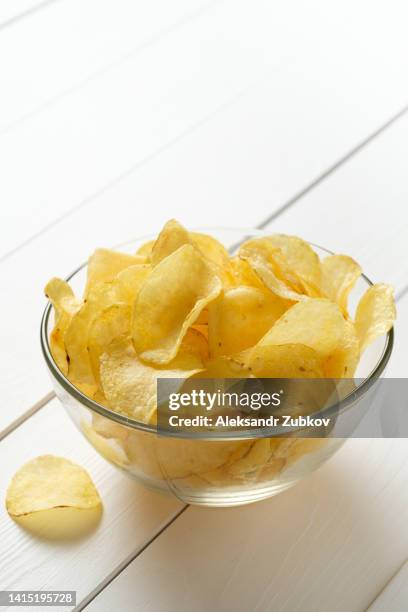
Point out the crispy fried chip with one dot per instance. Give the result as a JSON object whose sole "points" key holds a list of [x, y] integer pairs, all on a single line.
{"points": [[317, 323], [76, 337], [127, 283], [169, 302], [65, 305], [239, 317], [244, 275], [264, 259], [112, 322], [50, 482], [344, 360], [375, 314], [226, 366], [339, 275], [105, 264], [253, 460], [171, 238], [296, 259], [109, 447], [216, 255], [130, 385], [285, 361], [145, 250]]}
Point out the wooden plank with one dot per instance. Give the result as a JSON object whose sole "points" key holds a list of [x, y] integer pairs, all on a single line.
{"points": [[327, 544], [132, 515], [85, 38], [395, 594], [361, 209], [14, 11], [88, 138]]}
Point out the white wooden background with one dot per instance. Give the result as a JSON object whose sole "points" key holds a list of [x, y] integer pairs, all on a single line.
{"points": [[118, 114]]}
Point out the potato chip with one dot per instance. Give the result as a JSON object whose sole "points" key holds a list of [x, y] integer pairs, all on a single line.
{"points": [[194, 344], [145, 250], [255, 459], [375, 314], [344, 360], [244, 275], [65, 306], [169, 302], [296, 259], [107, 428], [285, 361], [216, 255], [76, 337], [316, 323], [171, 238], [127, 283], [129, 384], [339, 275], [261, 255], [112, 322], [110, 448], [226, 366], [105, 264], [48, 482], [239, 317]]}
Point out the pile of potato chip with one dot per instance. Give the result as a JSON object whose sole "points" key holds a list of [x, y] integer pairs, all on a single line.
{"points": [[183, 306]]}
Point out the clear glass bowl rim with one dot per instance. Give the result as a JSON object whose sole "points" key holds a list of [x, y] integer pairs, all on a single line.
{"points": [[338, 407]]}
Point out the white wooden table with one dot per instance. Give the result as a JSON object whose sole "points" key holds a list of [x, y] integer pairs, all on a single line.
{"points": [[116, 115]]}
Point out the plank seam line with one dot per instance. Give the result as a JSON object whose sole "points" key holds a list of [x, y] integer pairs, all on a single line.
{"points": [[28, 13], [163, 33], [359, 147], [26, 415], [388, 582], [122, 566]]}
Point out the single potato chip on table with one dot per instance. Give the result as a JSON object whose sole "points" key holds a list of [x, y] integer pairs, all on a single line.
{"points": [[50, 482]]}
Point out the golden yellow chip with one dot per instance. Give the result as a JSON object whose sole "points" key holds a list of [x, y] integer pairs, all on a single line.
{"points": [[375, 314], [107, 428], [145, 250], [76, 337], [216, 255], [112, 322], [50, 482], [171, 238], [296, 259], [110, 448], [339, 275], [169, 302], [105, 264], [226, 366], [285, 361], [316, 323], [129, 384], [342, 363], [254, 460], [239, 317], [262, 256], [244, 275], [65, 305], [128, 282]]}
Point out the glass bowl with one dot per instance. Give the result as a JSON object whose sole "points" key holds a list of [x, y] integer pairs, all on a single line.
{"points": [[209, 472]]}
